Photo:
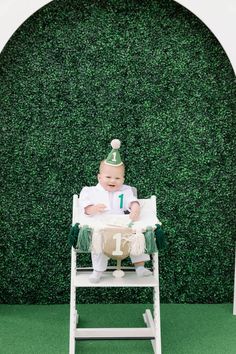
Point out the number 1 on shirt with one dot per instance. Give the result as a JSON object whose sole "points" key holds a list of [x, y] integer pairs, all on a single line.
{"points": [[121, 196]]}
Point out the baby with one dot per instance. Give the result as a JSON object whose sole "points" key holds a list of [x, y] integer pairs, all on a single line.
{"points": [[111, 196]]}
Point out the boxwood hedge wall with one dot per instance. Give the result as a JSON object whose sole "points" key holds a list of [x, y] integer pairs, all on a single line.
{"points": [[74, 76]]}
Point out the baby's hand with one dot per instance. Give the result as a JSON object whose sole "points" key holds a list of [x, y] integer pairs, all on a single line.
{"points": [[95, 209], [134, 216], [135, 211], [99, 208]]}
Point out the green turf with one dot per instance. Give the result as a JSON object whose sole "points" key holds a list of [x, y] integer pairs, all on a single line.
{"points": [[190, 329]]}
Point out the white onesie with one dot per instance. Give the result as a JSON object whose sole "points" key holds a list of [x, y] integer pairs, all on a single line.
{"points": [[116, 202]]}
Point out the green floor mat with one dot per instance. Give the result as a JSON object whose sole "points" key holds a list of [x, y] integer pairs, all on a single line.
{"points": [[186, 329]]}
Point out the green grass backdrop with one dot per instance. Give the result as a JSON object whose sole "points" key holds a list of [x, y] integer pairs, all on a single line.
{"points": [[74, 76]]}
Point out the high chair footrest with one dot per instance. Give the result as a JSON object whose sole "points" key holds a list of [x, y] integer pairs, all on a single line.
{"points": [[108, 280], [114, 333]]}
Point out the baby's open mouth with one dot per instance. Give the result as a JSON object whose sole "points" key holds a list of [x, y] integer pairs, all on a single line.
{"points": [[111, 185]]}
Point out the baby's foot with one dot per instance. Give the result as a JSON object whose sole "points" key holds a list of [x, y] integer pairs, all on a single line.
{"points": [[141, 271], [95, 276]]}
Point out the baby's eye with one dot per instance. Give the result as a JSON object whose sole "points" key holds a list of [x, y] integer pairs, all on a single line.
{"points": [[117, 177], [108, 177]]}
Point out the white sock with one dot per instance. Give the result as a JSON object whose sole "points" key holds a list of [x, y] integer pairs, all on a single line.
{"points": [[95, 276], [141, 271]]}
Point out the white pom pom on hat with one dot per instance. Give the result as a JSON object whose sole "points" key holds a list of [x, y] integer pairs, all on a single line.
{"points": [[115, 144]]}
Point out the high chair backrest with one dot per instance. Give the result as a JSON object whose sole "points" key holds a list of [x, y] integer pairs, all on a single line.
{"points": [[75, 211]]}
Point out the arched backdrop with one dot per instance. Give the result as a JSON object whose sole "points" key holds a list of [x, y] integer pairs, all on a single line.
{"points": [[73, 77], [218, 15]]}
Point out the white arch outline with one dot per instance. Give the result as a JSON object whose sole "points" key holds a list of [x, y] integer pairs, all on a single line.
{"points": [[218, 15], [15, 12]]}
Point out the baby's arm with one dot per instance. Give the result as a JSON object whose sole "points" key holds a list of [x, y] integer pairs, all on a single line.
{"points": [[86, 200], [94, 209], [134, 211]]}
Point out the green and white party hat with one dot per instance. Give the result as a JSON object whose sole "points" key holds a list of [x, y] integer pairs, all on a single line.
{"points": [[113, 158]]}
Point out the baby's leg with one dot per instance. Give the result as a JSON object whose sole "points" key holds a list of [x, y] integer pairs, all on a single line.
{"points": [[139, 265], [99, 262]]}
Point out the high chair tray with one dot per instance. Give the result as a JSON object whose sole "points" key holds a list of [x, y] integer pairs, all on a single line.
{"points": [[108, 280]]}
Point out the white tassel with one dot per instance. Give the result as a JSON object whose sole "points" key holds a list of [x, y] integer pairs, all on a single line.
{"points": [[137, 244], [97, 241]]}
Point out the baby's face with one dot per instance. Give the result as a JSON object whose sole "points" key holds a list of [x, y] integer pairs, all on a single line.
{"points": [[111, 178]]}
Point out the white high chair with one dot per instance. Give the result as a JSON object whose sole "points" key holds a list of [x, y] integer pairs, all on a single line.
{"points": [[80, 278]]}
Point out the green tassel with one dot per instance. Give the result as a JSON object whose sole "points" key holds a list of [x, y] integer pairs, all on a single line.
{"points": [[73, 235], [151, 246], [84, 239], [160, 237]]}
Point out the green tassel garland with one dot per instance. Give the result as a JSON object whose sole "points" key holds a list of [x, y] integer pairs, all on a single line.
{"points": [[73, 235], [84, 239], [80, 238], [160, 237], [151, 246]]}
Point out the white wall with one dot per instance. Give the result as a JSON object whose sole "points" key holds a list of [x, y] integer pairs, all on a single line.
{"points": [[13, 13], [218, 15]]}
